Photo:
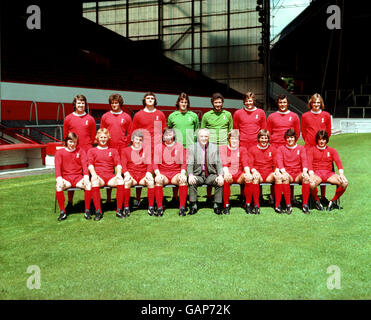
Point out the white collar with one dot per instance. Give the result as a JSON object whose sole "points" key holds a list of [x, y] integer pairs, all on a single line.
{"points": [[149, 111], [286, 112], [79, 115], [318, 112], [262, 148], [116, 112], [102, 148], [229, 147], [321, 148], [136, 149], [69, 149], [251, 110], [170, 145], [293, 147]]}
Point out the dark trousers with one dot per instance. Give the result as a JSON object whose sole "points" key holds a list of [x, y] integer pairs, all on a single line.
{"points": [[210, 181]]}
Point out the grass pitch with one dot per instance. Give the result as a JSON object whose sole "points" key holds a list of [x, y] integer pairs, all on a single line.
{"points": [[204, 256]]}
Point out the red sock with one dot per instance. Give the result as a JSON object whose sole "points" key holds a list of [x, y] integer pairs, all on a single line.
{"points": [[151, 196], [96, 197], [209, 190], [159, 193], [305, 193], [226, 193], [87, 198], [61, 199], [70, 196], [126, 197], [248, 192], [339, 192], [183, 190], [314, 193], [287, 193], [119, 196], [175, 192], [323, 192], [255, 193], [277, 193], [138, 192]]}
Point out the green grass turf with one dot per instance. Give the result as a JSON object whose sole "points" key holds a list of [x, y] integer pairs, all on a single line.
{"points": [[204, 256]]}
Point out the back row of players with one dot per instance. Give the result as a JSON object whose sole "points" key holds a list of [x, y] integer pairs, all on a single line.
{"points": [[247, 149]]}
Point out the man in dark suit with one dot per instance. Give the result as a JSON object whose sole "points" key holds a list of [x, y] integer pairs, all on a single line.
{"points": [[204, 167]]}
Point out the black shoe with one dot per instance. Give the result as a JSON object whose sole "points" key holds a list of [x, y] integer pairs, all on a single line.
{"points": [[62, 216], [278, 209], [248, 208], [120, 214], [289, 209], [319, 205], [256, 209], [151, 211], [331, 206], [217, 209], [194, 209], [87, 214], [160, 212], [306, 209], [227, 209], [325, 201], [182, 212], [126, 211], [98, 215]]}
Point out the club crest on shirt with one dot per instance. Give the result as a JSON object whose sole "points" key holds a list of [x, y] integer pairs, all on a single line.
{"points": [[122, 120], [257, 116], [323, 120], [110, 154], [86, 122], [328, 154], [77, 155], [270, 154], [156, 117], [224, 117], [298, 153], [290, 118]]}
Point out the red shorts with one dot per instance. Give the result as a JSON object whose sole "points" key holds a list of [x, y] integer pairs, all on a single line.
{"points": [[170, 175], [236, 176], [294, 174], [137, 176], [106, 178], [265, 174], [324, 174], [73, 179]]}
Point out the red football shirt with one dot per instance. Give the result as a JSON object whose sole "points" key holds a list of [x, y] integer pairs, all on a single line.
{"points": [[311, 123], [172, 158], [235, 160], [249, 123], [152, 122], [104, 160], [70, 162], [119, 127], [135, 161], [84, 126], [292, 159], [322, 159], [279, 122], [263, 160]]}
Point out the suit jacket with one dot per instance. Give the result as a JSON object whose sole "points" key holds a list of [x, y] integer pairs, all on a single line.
{"points": [[195, 159]]}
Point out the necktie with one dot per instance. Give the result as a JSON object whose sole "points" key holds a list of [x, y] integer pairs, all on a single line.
{"points": [[206, 170]]}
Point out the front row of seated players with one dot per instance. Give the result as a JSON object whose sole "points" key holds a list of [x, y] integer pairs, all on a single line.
{"points": [[206, 164]]}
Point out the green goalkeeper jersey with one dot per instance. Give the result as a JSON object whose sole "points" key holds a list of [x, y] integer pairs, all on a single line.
{"points": [[186, 124], [219, 124]]}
